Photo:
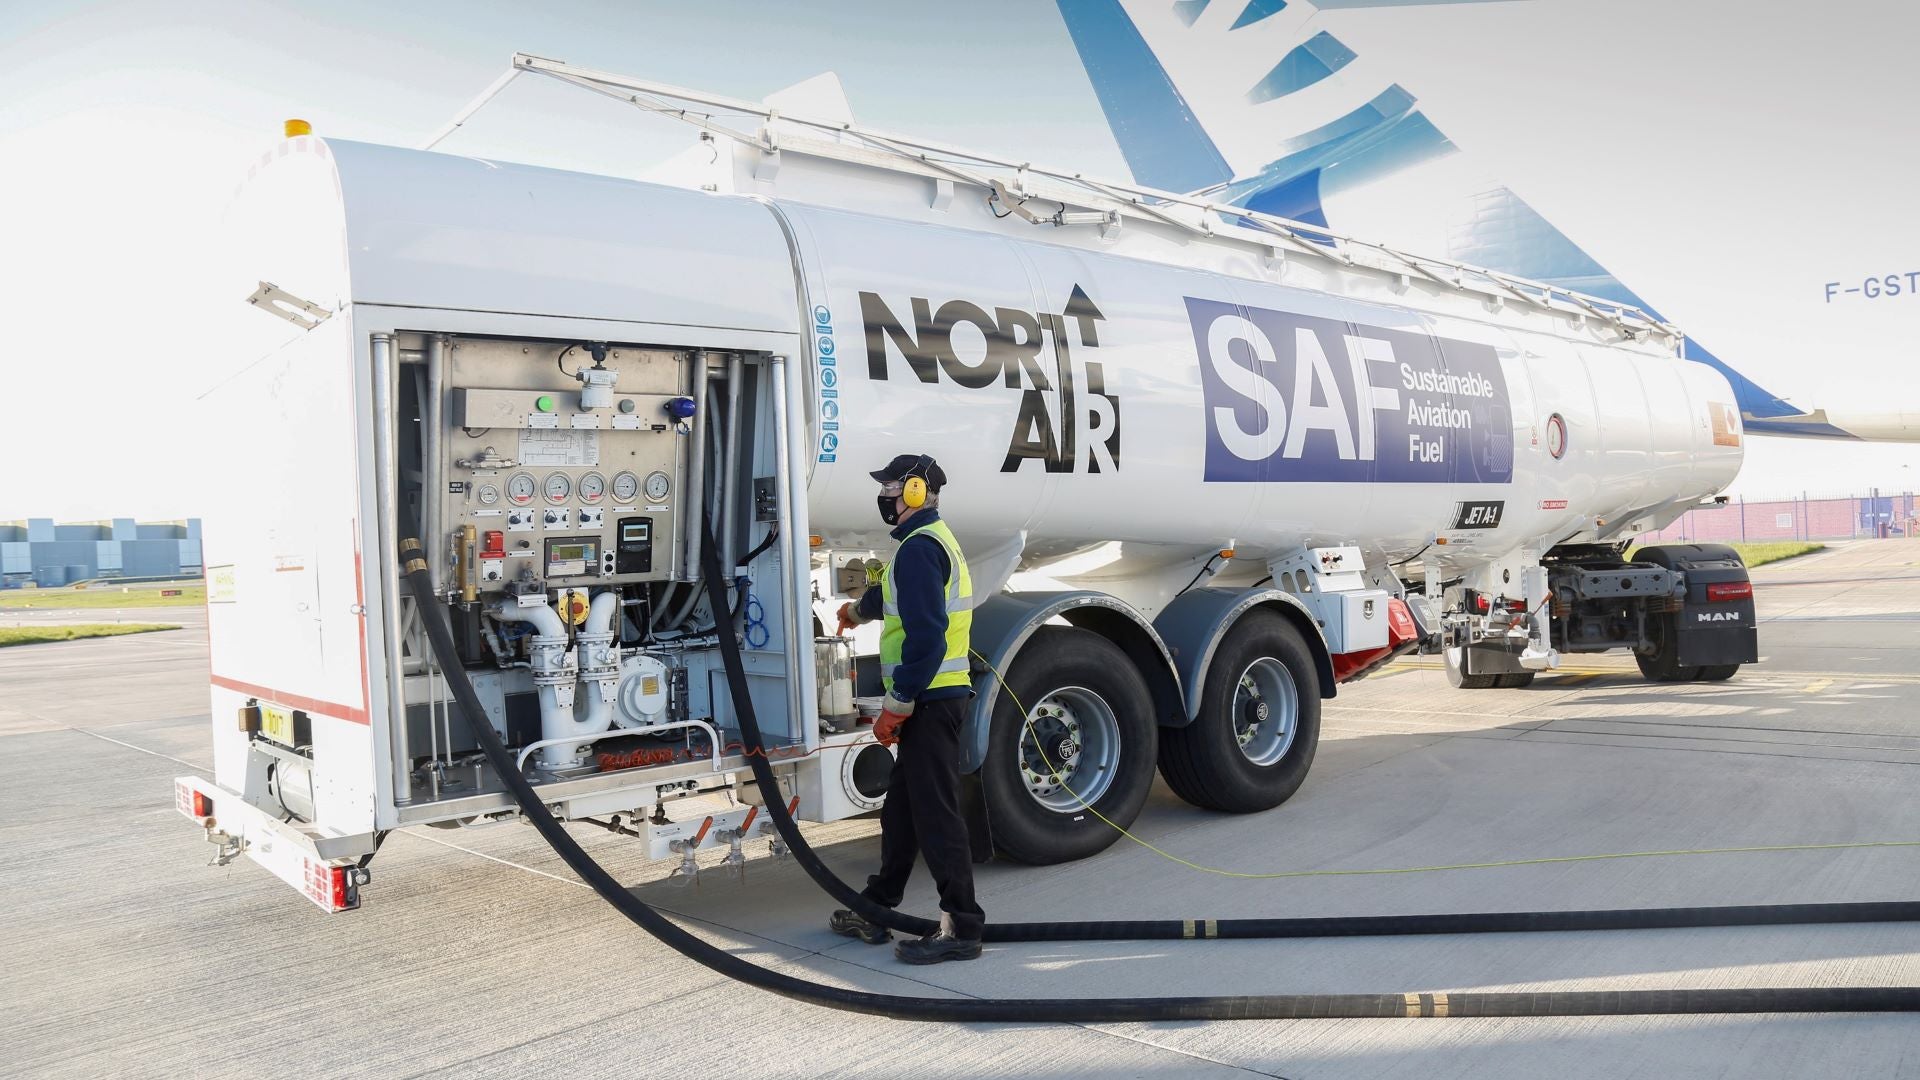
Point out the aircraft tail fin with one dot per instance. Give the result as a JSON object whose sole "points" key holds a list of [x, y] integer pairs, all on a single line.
{"points": [[1324, 133]]}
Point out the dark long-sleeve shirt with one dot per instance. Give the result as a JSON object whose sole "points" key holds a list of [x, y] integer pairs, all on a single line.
{"points": [[919, 570]]}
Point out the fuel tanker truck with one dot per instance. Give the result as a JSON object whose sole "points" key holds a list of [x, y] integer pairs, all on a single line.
{"points": [[1206, 466]]}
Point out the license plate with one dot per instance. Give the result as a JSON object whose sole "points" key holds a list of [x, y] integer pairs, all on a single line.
{"points": [[276, 723]]}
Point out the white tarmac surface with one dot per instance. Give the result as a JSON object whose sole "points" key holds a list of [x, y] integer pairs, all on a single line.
{"points": [[477, 955]]}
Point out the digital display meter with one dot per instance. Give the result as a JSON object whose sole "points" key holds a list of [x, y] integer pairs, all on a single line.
{"points": [[572, 557], [634, 551]]}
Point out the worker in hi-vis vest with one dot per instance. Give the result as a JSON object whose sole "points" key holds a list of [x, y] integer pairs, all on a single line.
{"points": [[926, 601]]}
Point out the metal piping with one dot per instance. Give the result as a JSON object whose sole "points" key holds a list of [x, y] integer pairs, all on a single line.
{"points": [[434, 482], [788, 453], [730, 465], [693, 499], [718, 435], [471, 107], [386, 376]]}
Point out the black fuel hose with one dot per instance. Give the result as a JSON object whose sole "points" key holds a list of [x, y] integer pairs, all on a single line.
{"points": [[1058, 1010], [1496, 922]]}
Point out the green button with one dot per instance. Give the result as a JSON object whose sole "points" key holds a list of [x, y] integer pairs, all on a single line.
{"points": [[544, 403]]}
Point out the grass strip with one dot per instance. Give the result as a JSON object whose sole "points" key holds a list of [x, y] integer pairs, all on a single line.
{"points": [[36, 635], [104, 596]]}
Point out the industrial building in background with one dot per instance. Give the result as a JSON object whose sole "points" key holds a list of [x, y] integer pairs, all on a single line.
{"points": [[39, 552]]}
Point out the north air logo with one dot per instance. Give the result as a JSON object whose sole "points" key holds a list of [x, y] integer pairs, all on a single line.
{"points": [[1065, 418]]}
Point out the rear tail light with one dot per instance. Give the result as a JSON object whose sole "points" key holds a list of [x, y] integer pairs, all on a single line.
{"points": [[194, 804], [1730, 590], [331, 886]]}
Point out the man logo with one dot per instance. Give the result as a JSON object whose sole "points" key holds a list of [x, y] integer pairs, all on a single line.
{"points": [[1716, 616]]}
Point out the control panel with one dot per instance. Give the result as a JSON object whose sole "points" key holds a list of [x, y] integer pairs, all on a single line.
{"points": [[567, 481]]}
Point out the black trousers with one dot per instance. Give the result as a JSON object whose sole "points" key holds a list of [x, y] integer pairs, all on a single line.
{"points": [[922, 815]]}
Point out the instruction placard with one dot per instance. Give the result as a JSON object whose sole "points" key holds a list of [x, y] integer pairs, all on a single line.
{"points": [[559, 447]]}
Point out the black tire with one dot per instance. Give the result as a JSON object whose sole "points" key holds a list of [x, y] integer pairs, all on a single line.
{"points": [[1515, 681], [1058, 657], [1204, 762], [1662, 666], [1457, 675], [1717, 672]]}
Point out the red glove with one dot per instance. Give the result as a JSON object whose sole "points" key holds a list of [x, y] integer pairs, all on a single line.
{"points": [[849, 617], [886, 730]]}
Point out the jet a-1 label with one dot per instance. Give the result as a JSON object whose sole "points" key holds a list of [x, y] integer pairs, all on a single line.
{"points": [[1478, 515], [1299, 398], [1066, 420]]}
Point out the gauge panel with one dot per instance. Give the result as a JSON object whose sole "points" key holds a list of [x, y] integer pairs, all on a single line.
{"points": [[626, 487], [603, 484], [593, 488], [659, 484]]}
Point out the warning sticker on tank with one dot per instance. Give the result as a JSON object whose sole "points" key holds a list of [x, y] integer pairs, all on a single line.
{"points": [[1302, 399], [1726, 423]]}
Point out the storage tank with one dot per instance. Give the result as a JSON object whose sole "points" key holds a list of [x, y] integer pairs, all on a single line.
{"points": [[1236, 470]]}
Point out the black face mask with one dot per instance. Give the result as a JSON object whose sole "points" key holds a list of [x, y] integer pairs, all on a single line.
{"points": [[889, 509]]}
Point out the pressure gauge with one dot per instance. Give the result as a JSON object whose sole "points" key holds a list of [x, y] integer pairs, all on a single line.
{"points": [[487, 494], [593, 487], [626, 487], [520, 489], [558, 487], [1556, 436], [658, 484]]}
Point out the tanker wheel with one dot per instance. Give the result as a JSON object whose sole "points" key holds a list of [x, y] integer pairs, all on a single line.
{"points": [[1664, 665], [1457, 677], [1514, 681], [1072, 743], [1259, 723], [1717, 672]]}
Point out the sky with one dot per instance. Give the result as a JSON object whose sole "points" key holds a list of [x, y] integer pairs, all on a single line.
{"points": [[1737, 155]]}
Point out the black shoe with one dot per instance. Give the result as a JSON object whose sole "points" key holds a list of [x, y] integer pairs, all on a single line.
{"points": [[851, 924], [937, 948]]}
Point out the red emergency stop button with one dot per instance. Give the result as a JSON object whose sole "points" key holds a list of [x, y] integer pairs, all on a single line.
{"points": [[493, 545]]}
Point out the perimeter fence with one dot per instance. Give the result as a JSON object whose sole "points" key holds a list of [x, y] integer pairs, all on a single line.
{"points": [[1801, 517]]}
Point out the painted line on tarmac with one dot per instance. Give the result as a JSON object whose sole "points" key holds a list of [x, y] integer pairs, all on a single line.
{"points": [[1816, 686], [1748, 672], [128, 745], [493, 858]]}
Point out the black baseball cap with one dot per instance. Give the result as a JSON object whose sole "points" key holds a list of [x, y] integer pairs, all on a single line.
{"points": [[906, 465]]}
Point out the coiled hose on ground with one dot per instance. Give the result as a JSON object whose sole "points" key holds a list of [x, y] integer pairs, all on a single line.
{"points": [[1108, 1010]]}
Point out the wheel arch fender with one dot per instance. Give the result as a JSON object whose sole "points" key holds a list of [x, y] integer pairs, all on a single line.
{"points": [[1684, 556], [1195, 623], [1006, 621]]}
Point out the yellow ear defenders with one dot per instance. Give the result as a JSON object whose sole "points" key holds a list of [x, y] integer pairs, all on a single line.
{"points": [[913, 491]]}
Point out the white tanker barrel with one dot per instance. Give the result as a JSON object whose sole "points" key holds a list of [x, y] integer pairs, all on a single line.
{"points": [[1079, 396]]}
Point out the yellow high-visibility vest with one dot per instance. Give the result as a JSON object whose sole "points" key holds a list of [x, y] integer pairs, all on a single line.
{"points": [[893, 635]]}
